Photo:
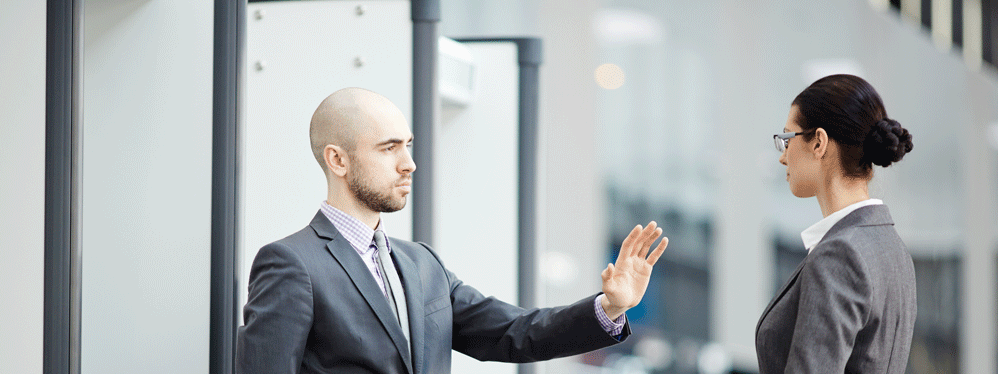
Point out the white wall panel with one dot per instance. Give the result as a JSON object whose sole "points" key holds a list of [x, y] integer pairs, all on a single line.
{"points": [[297, 53], [22, 190], [146, 186]]}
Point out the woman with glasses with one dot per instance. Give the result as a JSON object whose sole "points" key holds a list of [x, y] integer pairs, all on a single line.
{"points": [[850, 305]]}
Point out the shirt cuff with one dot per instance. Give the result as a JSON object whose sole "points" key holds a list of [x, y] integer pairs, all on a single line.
{"points": [[612, 327]]}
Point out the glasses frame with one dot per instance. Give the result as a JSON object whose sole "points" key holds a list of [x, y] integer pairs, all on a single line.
{"points": [[782, 141]]}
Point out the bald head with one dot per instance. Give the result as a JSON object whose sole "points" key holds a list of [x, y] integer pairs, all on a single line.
{"points": [[343, 116]]}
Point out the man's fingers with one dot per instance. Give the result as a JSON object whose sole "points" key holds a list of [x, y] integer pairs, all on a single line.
{"points": [[643, 249], [635, 246], [606, 272], [648, 232], [658, 251], [639, 240], [625, 248]]}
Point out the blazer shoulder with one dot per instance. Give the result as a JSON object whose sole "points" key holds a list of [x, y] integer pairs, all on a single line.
{"points": [[291, 245], [867, 216], [845, 252], [299, 246], [306, 237], [418, 251], [868, 233], [842, 239]]}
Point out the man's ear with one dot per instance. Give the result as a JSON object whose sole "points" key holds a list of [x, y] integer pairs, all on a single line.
{"points": [[336, 160], [821, 145]]}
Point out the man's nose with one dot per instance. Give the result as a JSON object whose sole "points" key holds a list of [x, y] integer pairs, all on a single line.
{"points": [[407, 165]]}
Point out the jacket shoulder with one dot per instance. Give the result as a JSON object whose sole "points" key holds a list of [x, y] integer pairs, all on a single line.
{"points": [[301, 245], [416, 250]]}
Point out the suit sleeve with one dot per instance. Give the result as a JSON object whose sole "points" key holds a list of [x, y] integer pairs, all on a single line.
{"points": [[488, 329], [277, 315], [834, 307]]}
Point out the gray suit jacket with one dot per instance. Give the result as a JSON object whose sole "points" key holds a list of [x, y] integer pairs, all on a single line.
{"points": [[849, 307], [314, 307]]}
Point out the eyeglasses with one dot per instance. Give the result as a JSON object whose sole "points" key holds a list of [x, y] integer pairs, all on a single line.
{"points": [[783, 140]]}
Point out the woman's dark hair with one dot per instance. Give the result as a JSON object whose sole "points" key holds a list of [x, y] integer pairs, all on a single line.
{"points": [[851, 112]]}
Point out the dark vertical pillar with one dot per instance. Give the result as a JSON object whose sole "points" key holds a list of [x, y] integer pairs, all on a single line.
{"points": [[958, 23], [989, 21], [529, 57], [61, 340], [229, 35], [425, 17], [529, 54], [926, 13]]}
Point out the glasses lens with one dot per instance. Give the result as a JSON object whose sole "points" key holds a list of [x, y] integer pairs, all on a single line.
{"points": [[780, 145]]}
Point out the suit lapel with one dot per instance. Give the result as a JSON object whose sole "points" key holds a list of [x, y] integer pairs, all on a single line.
{"points": [[347, 257], [783, 291], [414, 300]]}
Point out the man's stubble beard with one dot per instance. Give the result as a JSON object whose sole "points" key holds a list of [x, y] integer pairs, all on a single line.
{"points": [[373, 199]]}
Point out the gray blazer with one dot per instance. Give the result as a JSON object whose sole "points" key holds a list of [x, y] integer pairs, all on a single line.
{"points": [[849, 307], [314, 307]]}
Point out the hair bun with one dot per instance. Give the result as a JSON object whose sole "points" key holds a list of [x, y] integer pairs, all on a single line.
{"points": [[887, 143]]}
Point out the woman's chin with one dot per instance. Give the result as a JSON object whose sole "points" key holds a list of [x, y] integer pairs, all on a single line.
{"points": [[801, 192]]}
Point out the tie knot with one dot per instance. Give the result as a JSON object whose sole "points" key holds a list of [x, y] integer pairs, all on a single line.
{"points": [[379, 239]]}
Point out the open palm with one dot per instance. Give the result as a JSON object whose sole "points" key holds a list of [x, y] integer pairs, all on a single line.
{"points": [[625, 282]]}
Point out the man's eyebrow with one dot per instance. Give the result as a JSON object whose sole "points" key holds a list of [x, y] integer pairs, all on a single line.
{"points": [[785, 130], [392, 141]]}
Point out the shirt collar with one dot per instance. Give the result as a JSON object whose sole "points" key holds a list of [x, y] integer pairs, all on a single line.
{"points": [[359, 235], [813, 234]]}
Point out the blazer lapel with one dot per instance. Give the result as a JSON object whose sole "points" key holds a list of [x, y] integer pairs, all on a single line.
{"points": [[783, 291], [361, 277], [414, 301]]}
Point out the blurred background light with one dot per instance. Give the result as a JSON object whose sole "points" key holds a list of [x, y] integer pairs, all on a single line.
{"points": [[656, 352], [560, 269], [627, 26], [714, 359], [609, 76]]}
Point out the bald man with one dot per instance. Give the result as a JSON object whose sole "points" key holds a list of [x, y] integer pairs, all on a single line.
{"points": [[341, 297]]}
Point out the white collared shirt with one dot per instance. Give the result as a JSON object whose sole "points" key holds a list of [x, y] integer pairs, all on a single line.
{"points": [[813, 234]]}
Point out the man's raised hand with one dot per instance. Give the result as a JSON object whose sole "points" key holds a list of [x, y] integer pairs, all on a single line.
{"points": [[625, 282]]}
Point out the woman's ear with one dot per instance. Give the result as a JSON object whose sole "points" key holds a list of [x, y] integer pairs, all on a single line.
{"points": [[336, 160], [821, 143]]}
